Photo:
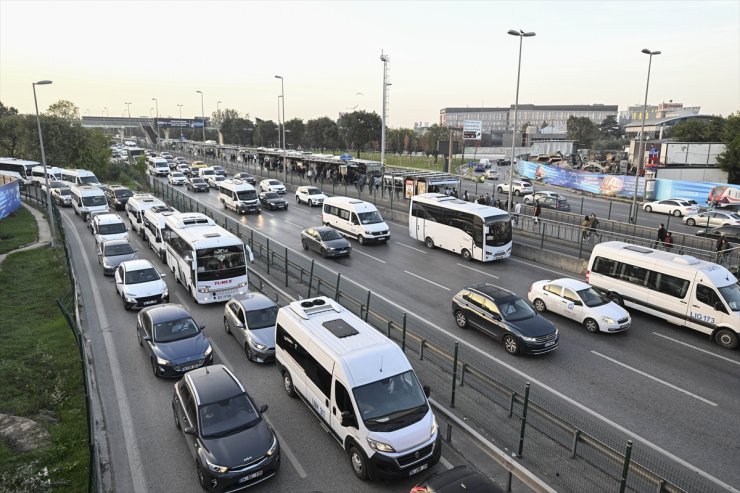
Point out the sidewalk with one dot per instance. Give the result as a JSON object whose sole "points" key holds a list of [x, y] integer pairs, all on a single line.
{"points": [[44, 235]]}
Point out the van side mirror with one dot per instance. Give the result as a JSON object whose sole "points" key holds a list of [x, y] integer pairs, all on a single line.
{"points": [[577, 303], [348, 419], [189, 430], [263, 408], [495, 316], [427, 390]]}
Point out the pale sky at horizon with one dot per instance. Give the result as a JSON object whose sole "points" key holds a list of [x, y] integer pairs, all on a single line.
{"points": [[442, 54]]}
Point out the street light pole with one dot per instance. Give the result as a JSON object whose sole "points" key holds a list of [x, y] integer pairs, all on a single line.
{"points": [[156, 104], [217, 103], [128, 112], [285, 161], [203, 116], [640, 147], [279, 128], [180, 107], [43, 162], [384, 58], [521, 34]]}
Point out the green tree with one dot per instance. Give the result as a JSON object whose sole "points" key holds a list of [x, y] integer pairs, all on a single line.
{"points": [[64, 109], [359, 129], [7, 110], [729, 160], [237, 131], [698, 130], [609, 127], [295, 132], [265, 133], [218, 117], [582, 129], [322, 133], [431, 138]]}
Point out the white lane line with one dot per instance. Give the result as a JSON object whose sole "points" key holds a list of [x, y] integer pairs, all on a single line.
{"points": [[698, 349], [410, 247], [640, 372], [354, 250], [294, 224], [560, 273], [478, 271], [127, 422], [427, 280]]}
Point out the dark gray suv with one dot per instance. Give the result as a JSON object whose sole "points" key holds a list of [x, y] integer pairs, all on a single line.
{"points": [[506, 317]]}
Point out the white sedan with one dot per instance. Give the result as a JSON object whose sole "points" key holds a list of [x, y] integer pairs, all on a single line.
{"points": [[712, 218], [580, 302], [176, 178], [677, 207], [272, 185]]}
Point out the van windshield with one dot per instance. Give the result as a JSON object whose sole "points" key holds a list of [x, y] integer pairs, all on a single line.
{"points": [[89, 180], [731, 295], [373, 217], [391, 403], [247, 195], [94, 200], [112, 229]]}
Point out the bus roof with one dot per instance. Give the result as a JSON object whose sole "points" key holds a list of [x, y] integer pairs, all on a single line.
{"points": [[450, 202]]}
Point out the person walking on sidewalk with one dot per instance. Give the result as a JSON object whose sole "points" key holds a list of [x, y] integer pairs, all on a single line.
{"points": [[517, 211], [593, 227], [584, 227], [537, 212], [722, 246], [661, 236]]}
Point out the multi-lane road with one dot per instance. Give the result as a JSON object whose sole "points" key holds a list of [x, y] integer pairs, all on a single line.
{"points": [[667, 387]]}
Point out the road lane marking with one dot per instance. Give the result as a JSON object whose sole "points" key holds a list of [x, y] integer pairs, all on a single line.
{"points": [[354, 250], [640, 372], [294, 224], [427, 280], [410, 247], [478, 271], [540, 267], [697, 348], [300, 209]]}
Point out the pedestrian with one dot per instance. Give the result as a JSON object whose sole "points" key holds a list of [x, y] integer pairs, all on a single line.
{"points": [[517, 211], [722, 246], [488, 199], [668, 241], [447, 191], [661, 235], [499, 204], [585, 232], [465, 196], [537, 212], [593, 227], [377, 183]]}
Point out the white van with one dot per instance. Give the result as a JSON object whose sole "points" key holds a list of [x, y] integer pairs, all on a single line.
{"points": [[72, 177], [205, 173], [154, 228], [355, 218], [360, 386], [677, 288], [158, 166], [106, 227], [38, 177], [86, 199], [135, 207], [239, 196]]}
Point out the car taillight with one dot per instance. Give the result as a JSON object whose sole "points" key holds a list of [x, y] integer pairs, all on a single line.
{"points": [[588, 275], [419, 489]]}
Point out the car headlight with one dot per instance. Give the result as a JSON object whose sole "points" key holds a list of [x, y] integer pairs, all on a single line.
{"points": [[129, 298], [165, 293], [529, 339], [257, 345], [608, 320], [125, 237], [380, 446], [209, 351], [273, 447], [434, 429], [368, 232], [242, 284], [107, 264], [163, 362], [216, 468]]}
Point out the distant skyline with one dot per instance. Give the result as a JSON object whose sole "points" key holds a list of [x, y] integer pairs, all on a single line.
{"points": [[442, 54]]}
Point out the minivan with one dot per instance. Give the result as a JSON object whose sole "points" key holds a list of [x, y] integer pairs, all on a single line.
{"points": [[355, 218]]}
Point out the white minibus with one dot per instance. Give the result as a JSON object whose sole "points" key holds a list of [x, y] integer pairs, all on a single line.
{"points": [[239, 196], [72, 177], [135, 207], [86, 199], [355, 218]]}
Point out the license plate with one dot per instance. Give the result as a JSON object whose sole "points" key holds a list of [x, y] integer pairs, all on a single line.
{"points": [[250, 476], [150, 302], [418, 469], [549, 343], [190, 367]]}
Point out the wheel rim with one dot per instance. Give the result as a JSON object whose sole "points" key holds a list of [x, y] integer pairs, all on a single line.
{"points": [[461, 319], [430, 243], [465, 255], [510, 345], [361, 239], [357, 462], [648, 209], [690, 222], [591, 325], [726, 339], [677, 213], [226, 326], [288, 384], [539, 305], [615, 299]]}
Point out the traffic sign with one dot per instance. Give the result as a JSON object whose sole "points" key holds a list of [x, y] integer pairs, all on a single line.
{"points": [[472, 129]]}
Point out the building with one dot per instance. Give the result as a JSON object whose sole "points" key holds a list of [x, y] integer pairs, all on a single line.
{"points": [[655, 112]]}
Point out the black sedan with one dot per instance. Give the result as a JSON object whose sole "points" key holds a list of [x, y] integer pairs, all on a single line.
{"points": [[272, 201], [506, 317], [248, 177], [731, 232], [197, 184], [173, 341], [459, 479], [325, 240], [224, 431]]}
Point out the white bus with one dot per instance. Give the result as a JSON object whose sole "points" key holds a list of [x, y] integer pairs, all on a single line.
{"points": [[18, 168], [475, 231], [208, 260]]}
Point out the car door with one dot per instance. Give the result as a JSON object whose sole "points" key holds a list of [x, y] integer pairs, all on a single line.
{"points": [[341, 402], [148, 331], [240, 320], [188, 417], [119, 276], [572, 305], [315, 240], [491, 319], [552, 296]]}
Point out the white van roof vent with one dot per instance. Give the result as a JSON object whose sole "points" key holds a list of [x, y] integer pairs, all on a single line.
{"points": [[340, 328], [686, 260], [306, 308], [638, 249]]}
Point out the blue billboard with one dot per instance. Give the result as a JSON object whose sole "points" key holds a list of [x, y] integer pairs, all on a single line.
{"points": [[10, 197]]}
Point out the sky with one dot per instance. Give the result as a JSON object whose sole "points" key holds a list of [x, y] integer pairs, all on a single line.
{"points": [[442, 54]]}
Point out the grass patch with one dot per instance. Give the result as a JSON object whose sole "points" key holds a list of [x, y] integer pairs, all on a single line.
{"points": [[17, 229], [41, 374]]}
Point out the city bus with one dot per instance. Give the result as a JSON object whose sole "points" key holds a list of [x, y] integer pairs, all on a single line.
{"points": [[18, 168], [205, 258], [475, 231]]}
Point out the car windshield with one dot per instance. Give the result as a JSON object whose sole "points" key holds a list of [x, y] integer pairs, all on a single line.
{"points": [[94, 200], [247, 195], [140, 276], [391, 403], [176, 175], [513, 309], [174, 330], [731, 295], [271, 195], [592, 298], [65, 191], [111, 229], [498, 230], [330, 234], [197, 180], [227, 416], [121, 249], [89, 180], [123, 193], [273, 182], [261, 318], [373, 217]]}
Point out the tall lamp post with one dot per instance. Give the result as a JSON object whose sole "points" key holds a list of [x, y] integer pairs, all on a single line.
{"points": [[521, 35], [640, 147], [128, 112], [43, 162], [179, 106], [384, 58], [156, 104], [203, 116], [285, 161], [279, 128]]}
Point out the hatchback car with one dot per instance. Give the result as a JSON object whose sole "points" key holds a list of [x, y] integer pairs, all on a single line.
{"points": [[272, 201], [140, 285], [251, 319], [196, 184], [176, 178], [555, 203], [325, 240], [506, 317], [272, 185], [184, 169], [174, 343], [112, 253], [732, 233], [712, 218], [579, 301], [531, 199], [117, 196], [248, 177], [232, 445], [309, 195], [459, 479], [671, 206]]}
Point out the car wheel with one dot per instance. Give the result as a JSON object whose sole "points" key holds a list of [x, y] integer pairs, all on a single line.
{"points": [[138, 336], [224, 204], [288, 384], [227, 327], [305, 245], [591, 325], [297, 200], [361, 239], [248, 352], [359, 463], [691, 222], [466, 255], [154, 368], [201, 476], [516, 192], [429, 242], [614, 297], [461, 319], [500, 190], [677, 213], [510, 344], [726, 338], [648, 208], [540, 306], [177, 420]]}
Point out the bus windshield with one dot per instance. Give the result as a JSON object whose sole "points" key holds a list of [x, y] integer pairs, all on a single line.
{"points": [[498, 230], [221, 263]]}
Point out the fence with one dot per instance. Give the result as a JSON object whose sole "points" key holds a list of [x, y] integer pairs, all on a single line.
{"points": [[563, 443]]}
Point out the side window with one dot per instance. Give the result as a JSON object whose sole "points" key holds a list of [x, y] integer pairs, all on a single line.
{"points": [[475, 299], [706, 295], [605, 266], [570, 295], [554, 289], [633, 274], [240, 315], [344, 214], [341, 397], [490, 307], [187, 402], [670, 285]]}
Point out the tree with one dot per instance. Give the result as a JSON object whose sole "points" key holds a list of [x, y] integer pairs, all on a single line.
{"points": [[265, 133], [64, 109], [698, 130], [295, 132], [582, 129], [729, 160], [7, 110], [218, 117], [433, 135], [237, 131], [322, 133], [609, 127], [359, 129]]}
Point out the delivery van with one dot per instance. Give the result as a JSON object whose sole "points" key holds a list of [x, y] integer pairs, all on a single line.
{"points": [[356, 219]]}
